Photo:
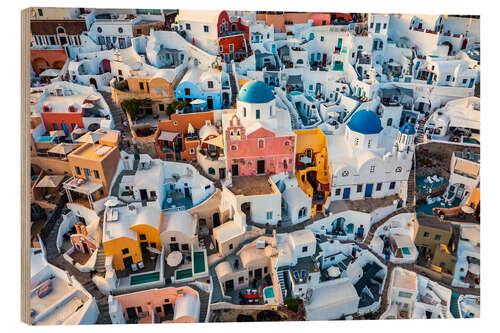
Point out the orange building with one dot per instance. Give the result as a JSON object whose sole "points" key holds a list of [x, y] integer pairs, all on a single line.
{"points": [[172, 138], [93, 167], [42, 59], [280, 19]]}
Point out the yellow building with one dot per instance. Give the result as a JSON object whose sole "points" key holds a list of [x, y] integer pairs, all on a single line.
{"points": [[128, 232], [156, 91], [311, 166]]}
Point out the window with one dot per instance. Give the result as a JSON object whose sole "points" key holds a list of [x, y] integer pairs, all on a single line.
{"points": [[230, 246], [172, 239], [211, 171], [241, 280], [96, 174], [322, 38], [404, 294], [158, 309], [78, 170], [337, 192], [60, 30], [119, 72], [437, 237], [369, 143], [40, 12], [141, 85], [139, 309], [356, 141], [120, 30], [231, 48], [234, 147], [265, 270], [399, 169], [54, 125], [426, 234], [158, 90], [187, 91], [139, 31], [448, 77], [270, 111], [142, 237], [392, 185], [125, 251], [371, 25], [385, 25], [188, 26], [304, 249], [359, 188], [161, 107], [205, 28], [167, 300], [210, 84], [389, 122], [261, 143], [257, 114], [464, 81], [99, 29], [372, 169], [269, 215], [185, 247], [220, 49], [191, 151], [379, 186]]}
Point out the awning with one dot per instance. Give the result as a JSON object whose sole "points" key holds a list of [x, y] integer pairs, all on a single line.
{"points": [[63, 148], [57, 133], [93, 97], [217, 141], [51, 72], [167, 136], [50, 181]]}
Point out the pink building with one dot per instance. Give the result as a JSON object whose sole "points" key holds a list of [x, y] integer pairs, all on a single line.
{"points": [[258, 136], [177, 305]]}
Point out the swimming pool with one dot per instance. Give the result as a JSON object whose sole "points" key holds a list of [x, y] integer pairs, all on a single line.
{"points": [[295, 93], [199, 262], [144, 278], [183, 274], [405, 250], [470, 140], [269, 292], [45, 139]]}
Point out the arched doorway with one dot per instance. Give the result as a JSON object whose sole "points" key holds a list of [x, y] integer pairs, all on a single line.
{"points": [[105, 66], [39, 65], [246, 209], [93, 82], [216, 219], [450, 47]]}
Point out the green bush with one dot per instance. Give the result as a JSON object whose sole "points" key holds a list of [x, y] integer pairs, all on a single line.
{"points": [[293, 304], [131, 106], [174, 106]]}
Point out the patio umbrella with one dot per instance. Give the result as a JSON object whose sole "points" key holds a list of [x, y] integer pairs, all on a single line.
{"points": [[198, 102], [174, 258], [50, 181], [88, 106], [333, 271], [467, 209], [112, 201], [474, 269], [63, 148], [217, 141], [153, 250], [93, 97]]}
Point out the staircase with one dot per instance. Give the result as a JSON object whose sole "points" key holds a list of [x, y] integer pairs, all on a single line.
{"points": [[410, 199], [100, 261], [234, 89], [420, 131], [116, 112], [204, 302], [281, 279], [375, 226]]}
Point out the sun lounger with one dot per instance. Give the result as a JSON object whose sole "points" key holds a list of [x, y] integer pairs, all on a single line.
{"points": [[134, 267], [436, 178], [140, 264], [429, 180]]}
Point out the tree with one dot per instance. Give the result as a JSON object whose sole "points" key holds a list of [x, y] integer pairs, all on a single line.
{"points": [[176, 105], [131, 106]]}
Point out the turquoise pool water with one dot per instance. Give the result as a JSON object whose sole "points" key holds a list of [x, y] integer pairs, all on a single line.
{"points": [[183, 274], [405, 250], [269, 292], [470, 140], [199, 262], [144, 278], [295, 93], [45, 139]]}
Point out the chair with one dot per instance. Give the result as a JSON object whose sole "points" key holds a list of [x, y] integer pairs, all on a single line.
{"points": [[140, 264], [134, 267]]}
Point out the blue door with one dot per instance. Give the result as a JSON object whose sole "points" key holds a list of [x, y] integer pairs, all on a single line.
{"points": [[471, 84], [65, 128], [377, 27], [339, 43], [273, 48], [347, 193], [368, 190]]}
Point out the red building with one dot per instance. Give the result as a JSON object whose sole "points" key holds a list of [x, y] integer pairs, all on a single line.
{"points": [[65, 121], [233, 38]]}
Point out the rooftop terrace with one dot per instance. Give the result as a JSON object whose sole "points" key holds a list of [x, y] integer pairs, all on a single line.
{"points": [[252, 185]]}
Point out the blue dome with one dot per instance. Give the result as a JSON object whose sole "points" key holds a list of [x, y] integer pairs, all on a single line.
{"points": [[256, 92], [407, 129], [365, 122]]}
